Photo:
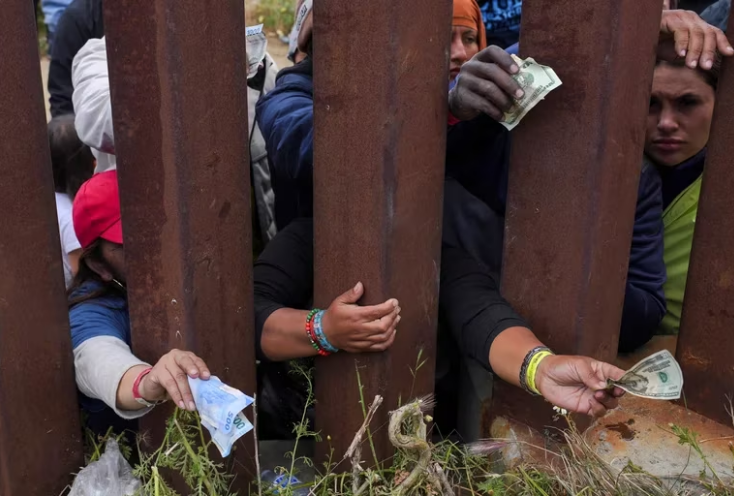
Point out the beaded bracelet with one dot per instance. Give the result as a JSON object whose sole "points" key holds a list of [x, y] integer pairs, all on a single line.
{"points": [[311, 334], [530, 368], [320, 336]]}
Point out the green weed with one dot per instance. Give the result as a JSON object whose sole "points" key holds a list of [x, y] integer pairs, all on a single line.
{"points": [[276, 15]]}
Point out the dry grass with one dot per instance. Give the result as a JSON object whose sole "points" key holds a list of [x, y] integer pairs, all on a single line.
{"points": [[423, 469]]}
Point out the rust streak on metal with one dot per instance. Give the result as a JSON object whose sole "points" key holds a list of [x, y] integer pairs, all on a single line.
{"points": [[40, 434], [178, 80], [380, 124], [706, 336], [573, 181]]}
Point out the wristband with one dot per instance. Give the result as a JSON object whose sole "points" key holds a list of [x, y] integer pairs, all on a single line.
{"points": [[312, 334], [320, 336], [136, 388], [527, 376], [533, 370]]}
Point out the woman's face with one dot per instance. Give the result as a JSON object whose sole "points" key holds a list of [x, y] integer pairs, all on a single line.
{"points": [[679, 120], [464, 46]]}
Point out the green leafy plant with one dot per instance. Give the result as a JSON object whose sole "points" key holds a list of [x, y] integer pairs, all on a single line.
{"points": [[184, 450], [713, 483], [419, 467], [276, 15]]}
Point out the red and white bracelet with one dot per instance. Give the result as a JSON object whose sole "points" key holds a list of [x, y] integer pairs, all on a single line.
{"points": [[136, 388]]}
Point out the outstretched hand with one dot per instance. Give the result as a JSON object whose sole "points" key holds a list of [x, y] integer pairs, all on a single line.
{"points": [[578, 384], [685, 34], [169, 378], [485, 85]]}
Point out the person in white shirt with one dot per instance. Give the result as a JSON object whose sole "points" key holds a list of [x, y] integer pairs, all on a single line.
{"points": [[72, 163], [93, 108]]}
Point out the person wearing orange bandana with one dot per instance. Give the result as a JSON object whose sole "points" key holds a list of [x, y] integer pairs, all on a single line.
{"points": [[468, 35]]}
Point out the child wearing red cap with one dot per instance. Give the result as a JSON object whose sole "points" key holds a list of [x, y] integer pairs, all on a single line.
{"points": [[116, 387]]}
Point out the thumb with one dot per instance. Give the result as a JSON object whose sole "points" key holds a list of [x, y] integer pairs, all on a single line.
{"points": [[592, 374], [352, 296], [609, 371]]}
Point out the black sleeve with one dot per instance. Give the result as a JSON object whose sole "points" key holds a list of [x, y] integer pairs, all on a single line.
{"points": [[79, 23], [471, 305], [284, 274]]}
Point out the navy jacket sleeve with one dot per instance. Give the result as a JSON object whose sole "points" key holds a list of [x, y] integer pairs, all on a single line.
{"points": [[644, 300], [717, 14], [285, 117], [80, 22]]}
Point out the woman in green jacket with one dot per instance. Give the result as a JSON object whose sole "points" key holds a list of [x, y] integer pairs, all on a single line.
{"points": [[678, 125]]}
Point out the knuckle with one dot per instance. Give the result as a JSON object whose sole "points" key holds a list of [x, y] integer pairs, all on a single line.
{"points": [[494, 70]]}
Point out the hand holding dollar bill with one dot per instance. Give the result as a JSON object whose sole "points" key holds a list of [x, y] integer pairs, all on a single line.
{"points": [[657, 377], [220, 408], [257, 44], [536, 81]]}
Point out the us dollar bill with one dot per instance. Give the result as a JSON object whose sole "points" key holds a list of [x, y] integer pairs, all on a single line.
{"points": [[536, 81], [657, 377]]}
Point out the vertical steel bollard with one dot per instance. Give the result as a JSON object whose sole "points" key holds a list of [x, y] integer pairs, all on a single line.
{"points": [[380, 79], [706, 340], [178, 79], [575, 166], [40, 433]]}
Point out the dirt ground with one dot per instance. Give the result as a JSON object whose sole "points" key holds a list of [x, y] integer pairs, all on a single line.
{"points": [[277, 49]]}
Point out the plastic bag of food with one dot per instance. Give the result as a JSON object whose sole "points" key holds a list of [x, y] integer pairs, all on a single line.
{"points": [[111, 475]]}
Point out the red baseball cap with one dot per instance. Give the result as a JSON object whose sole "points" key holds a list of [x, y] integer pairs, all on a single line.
{"points": [[97, 210]]}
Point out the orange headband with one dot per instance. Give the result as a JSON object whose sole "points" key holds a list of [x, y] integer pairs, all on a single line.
{"points": [[468, 15]]}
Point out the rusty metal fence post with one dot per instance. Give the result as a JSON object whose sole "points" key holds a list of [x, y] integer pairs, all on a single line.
{"points": [[706, 341], [40, 433], [575, 166], [178, 74], [380, 84]]}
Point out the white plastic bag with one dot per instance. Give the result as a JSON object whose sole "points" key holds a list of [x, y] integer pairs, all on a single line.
{"points": [[111, 475]]}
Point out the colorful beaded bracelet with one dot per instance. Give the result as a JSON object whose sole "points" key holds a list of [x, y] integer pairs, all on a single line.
{"points": [[320, 336], [312, 335]]}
